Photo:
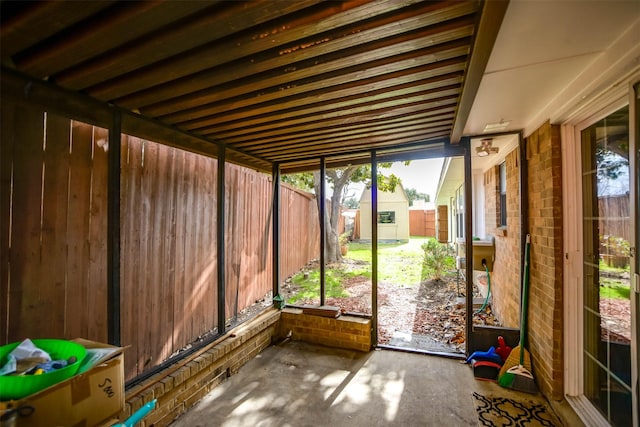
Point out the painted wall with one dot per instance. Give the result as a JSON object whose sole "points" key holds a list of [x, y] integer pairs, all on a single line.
{"points": [[387, 201]]}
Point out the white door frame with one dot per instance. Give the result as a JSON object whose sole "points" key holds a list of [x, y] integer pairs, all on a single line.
{"points": [[610, 102]]}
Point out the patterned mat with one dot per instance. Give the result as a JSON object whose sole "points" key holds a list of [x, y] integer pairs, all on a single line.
{"points": [[500, 411]]}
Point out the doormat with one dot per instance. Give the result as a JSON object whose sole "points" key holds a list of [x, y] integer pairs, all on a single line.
{"points": [[500, 411]]}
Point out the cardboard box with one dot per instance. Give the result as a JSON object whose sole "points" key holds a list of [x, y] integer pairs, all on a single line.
{"points": [[87, 399]]}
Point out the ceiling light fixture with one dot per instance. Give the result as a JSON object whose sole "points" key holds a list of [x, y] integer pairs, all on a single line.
{"points": [[496, 127], [485, 148]]}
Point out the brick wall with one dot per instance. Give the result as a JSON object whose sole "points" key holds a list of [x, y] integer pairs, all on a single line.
{"points": [[545, 290], [348, 332], [505, 277]]}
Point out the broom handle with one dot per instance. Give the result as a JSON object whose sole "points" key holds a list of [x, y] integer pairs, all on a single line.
{"points": [[525, 295]]}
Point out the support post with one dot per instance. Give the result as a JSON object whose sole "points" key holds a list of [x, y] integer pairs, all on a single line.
{"points": [[113, 231], [220, 240], [323, 228], [374, 249], [275, 208], [468, 231]]}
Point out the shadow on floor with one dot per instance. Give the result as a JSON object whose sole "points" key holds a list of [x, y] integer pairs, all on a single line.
{"points": [[298, 384]]}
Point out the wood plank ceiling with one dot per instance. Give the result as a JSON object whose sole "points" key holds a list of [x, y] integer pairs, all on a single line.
{"points": [[275, 81]]}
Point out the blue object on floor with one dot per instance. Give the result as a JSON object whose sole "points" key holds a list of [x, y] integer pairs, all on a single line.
{"points": [[138, 415], [489, 355]]}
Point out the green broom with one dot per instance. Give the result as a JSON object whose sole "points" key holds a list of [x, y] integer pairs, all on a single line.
{"points": [[516, 371]]}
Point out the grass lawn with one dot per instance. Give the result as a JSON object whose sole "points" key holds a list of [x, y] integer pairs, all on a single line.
{"points": [[400, 263], [610, 285], [397, 262]]}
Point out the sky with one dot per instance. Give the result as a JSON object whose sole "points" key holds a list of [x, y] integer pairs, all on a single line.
{"points": [[421, 175]]}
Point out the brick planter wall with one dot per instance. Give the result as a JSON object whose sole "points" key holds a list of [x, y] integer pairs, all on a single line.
{"points": [[545, 285], [182, 385], [348, 332]]}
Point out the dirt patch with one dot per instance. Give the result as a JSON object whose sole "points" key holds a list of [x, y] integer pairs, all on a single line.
{"points": [[426, 316], [616, 320]]}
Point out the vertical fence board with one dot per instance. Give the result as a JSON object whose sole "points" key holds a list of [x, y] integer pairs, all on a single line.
{"points": [[199, 259], [159, 220], [78, 228], [54, 225], [231, 216], [209, 251], [127, 242], [24, 294], [97, 327], [169, 253], [189, 252], [148, 283], [181, 315]]}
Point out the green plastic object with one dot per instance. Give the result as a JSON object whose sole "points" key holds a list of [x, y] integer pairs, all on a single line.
{"points": [[13, 387]]}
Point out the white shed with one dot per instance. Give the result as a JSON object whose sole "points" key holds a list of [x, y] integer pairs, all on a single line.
{"points": [[393, 215]]}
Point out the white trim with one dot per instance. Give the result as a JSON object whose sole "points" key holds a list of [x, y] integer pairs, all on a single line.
{"points": [[634, 191], [595, 110], [589, 415], [572, 252]]}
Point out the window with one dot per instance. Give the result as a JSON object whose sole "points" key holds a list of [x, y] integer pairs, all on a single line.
{"points": [[459, 212], [387, 217], [502, 204]]}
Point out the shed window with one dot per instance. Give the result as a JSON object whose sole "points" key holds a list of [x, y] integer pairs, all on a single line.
{"points": [[387, 217]]}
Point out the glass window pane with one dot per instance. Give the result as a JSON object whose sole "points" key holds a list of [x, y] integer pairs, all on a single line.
{"points": [[606, 285]]}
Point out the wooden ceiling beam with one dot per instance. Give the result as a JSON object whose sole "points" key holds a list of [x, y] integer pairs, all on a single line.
{"points": [[402, 94], [379, 143], [224, 82], [337, 140], [26, 23], [348, 84], [371, 116], [429, 97], [102, 33], [353, 95], [290, 29], [337, 131], [224, 18]]}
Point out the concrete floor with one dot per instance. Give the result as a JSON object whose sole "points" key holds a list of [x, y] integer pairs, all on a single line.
{"points": [[297, 384]]}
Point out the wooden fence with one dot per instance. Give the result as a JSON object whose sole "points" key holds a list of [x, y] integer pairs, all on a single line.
{"points": [[422, 223], [54, 237], [614, 216]]}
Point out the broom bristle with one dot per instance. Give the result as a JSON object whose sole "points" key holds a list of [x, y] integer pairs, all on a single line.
{"points": [[514, 360], [522, 380], [516, 376]]}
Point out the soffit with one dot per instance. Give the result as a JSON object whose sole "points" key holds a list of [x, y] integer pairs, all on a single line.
{"points": [[545, 54]]}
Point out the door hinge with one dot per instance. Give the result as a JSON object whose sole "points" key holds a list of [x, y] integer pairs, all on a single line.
{"points": [[636, 283]]}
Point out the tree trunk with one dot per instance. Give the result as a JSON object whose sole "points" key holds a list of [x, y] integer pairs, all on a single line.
{"points": [[332, 212]]}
